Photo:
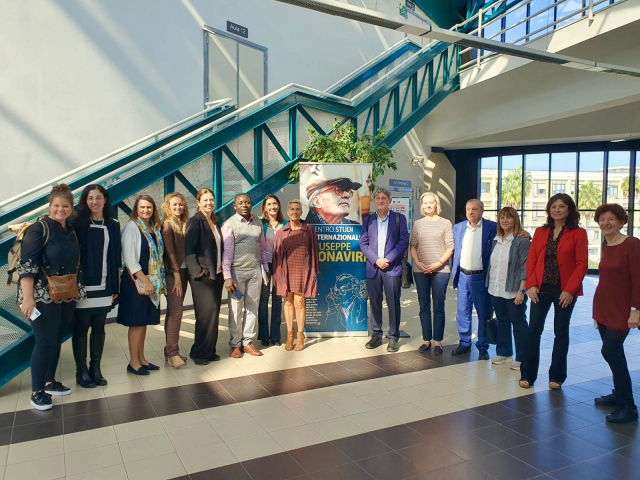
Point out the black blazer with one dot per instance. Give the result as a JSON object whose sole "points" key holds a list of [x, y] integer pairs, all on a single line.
{"points": [[201, 248]]}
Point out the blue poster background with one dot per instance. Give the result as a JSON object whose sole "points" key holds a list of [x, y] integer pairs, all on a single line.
{"points": [[341, 304]]}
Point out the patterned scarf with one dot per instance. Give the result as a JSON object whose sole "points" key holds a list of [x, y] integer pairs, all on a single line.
{"points": [[156, 265]]}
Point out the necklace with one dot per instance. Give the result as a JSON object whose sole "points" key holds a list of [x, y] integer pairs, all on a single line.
{"points": [[95, 222]]}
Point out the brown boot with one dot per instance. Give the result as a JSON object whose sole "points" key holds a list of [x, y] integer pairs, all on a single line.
{"points": [[251, 350], [289, 345], [299, 342], [236, 352]]}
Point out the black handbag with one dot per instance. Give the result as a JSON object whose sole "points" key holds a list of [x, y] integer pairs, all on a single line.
{"points": [[491, 332], [407, 274]]}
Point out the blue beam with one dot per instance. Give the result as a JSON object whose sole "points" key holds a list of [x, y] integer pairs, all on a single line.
{"points": [[187, 184], [238, 165]]}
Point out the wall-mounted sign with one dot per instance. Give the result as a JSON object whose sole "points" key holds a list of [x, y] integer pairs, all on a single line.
{"points": [[403, 11], [237, 29], [399, 183], [410, 5]]}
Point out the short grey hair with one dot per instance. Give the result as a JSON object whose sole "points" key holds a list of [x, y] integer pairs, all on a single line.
{"points": [[436, 198], [381, 191], [476, 200], [294, 201]]}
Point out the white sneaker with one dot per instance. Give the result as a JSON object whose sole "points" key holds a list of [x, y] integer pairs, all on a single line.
{"points": [[515, 366], [499, 360]]}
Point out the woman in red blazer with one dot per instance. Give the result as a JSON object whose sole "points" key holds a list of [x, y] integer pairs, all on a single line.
{"points": [[556, 266]]}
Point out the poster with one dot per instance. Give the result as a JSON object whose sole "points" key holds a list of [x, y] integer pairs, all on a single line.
{"points": [[335, 197]]}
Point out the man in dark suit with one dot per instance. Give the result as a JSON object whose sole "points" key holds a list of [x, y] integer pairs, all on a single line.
{"points": [[384, 241], [473, 241]]}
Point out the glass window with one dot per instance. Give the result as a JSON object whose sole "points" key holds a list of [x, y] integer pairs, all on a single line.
{"points": [[567, 8], [537, 172], [512, 181], [563, 173], [590, 193], [518, 34], [596, 234], [531, 220], [538, 24], [486, 187], [618, 178], [489, 174]]}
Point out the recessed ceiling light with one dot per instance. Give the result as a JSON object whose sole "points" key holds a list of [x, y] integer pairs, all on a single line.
{"points": [[618, 140]]}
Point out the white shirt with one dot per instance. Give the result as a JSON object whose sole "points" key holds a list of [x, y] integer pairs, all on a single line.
{"points": [[471, 251], [500, 267]]}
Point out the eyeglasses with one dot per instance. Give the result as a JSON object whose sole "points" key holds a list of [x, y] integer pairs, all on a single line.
{"points": [[338, 190]]}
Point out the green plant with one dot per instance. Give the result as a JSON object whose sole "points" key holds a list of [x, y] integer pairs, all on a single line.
{"points": [[343, 145], [590, 197], [625, 186], [512, 188]]}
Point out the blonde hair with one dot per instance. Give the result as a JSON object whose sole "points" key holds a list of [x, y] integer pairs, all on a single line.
{"points": [[295, 200], [436, 198], [511, 213], [178, 225], [199, 195]]}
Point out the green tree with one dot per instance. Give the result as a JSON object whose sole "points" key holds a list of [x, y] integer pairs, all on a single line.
{"points": [[625, 186], [343, 145], [512, 188], [590, 197]]}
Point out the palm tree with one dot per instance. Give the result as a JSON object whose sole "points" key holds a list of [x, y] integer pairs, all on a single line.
{"points": [[625, 186], [512, 188], [590, 197]]}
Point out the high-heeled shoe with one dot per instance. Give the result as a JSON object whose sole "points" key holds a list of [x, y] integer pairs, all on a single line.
{"points": [[289, 345], [299, 342], [140, 371]]}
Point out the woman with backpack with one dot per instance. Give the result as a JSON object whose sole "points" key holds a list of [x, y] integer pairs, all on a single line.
{"points": [[101, 257], [50, 285]]}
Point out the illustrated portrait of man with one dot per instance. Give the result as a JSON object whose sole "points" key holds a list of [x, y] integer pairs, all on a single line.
{"points": [[330, 200], [347, 302]]}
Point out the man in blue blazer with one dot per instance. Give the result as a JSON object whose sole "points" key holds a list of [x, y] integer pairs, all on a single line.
{"points": [[473, 240], [384, 241]]}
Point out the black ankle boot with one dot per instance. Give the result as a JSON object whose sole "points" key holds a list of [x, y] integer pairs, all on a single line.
{"points": [[79, 345], [97, 346], [624, 414]]}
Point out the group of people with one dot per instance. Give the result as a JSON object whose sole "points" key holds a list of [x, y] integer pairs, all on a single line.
{"points": [[495, 267], [76, 266]]}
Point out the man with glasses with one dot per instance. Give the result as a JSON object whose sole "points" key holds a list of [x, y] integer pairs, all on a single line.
{"points": [[330, 200]]}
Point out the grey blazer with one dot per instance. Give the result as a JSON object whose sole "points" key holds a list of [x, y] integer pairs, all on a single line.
{"points": [[517, 268]]}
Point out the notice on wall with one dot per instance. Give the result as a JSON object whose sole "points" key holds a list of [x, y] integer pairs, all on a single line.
{"points": [[335, 198]]}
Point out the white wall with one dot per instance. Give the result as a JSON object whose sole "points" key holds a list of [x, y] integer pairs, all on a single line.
{"points": [[82, 78]]}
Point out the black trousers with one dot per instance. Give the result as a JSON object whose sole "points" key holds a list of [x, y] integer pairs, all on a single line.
{"points": [[548, 295], [49, 329], [391, 287], [207, 298], [85, 319], [613, 353]]}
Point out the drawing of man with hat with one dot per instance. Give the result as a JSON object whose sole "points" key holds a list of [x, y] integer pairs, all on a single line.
{"points": [[329, 199]]}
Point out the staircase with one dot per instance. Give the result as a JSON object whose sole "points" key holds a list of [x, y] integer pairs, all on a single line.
{"points": [[251, 150]]}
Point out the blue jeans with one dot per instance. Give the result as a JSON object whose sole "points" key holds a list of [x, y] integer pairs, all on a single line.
{"points": [[263, 313], [432, 285], [472, 292], [509, 313]]}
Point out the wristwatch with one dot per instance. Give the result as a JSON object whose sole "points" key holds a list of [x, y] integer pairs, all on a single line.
{"points": [[524, 290]]}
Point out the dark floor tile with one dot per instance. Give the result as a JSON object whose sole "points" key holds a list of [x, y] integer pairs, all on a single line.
{"points": [[447, 360], [501, 437], [300, 372], [525, 405], [399, 437], [5, 436], [429, 457], [389, 466], [354, 364], [311, 383], [465, 446], [573, 447], [6, 419], [349, 471], [328, 368], [381, 360], [541, 457], [587, 411], [399, 368], [181, 405], [430, 427], [37, 431], [362, 446], [26, 417], [561, 420], [85, 408], [602, 437], [269, 377], [319, 457], [340, 378], [631, 430], [532, 428], [631, 451], [498, 413], [235, 471], [251, 393], [91, 421], [577, 393], [163, 395], [372, 372], [216, 399], [236, 383], [282, 388], [595, 387], [127, 400], [552, 399], [273, 467], [404, 356], [204, 388], [466, 420], [421, 363], [459, 471], [615, 466], [132, 414], [578, 471], [503, 466]]}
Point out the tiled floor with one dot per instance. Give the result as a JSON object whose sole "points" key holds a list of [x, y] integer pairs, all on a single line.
{"points": [[333, 411]]}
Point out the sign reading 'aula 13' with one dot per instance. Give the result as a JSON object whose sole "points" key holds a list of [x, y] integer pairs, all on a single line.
{"points": [[237, 29]]}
